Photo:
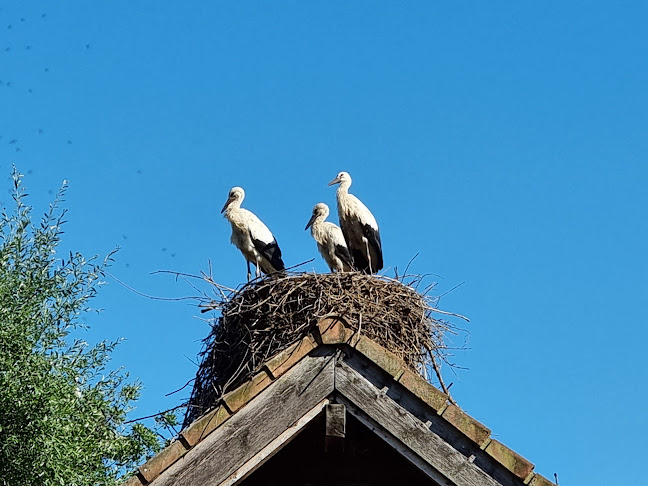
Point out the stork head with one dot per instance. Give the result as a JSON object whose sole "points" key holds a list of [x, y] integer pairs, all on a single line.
{"points": [[343, 178], [236, 195], [320, 210]]}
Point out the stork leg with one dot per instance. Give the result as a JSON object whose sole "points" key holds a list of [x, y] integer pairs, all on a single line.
{"points": [[258, 268], [366, 242], [249, 274]]}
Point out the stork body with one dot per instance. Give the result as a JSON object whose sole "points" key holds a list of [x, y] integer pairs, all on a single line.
{"points": [[330, 240], [251, 236], [359, 227]]}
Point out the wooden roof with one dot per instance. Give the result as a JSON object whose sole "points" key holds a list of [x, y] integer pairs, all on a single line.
{"points": [[336, 366]]}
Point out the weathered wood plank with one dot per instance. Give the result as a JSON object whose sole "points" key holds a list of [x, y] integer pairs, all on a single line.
{"points": [[428, 415], [335, 428], [406, 428], [335, 420], [253, 427], [273, 447], [396, 444]]}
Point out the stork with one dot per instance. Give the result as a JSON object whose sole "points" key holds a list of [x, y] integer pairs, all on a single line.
{"points": [[359, 227], [251, 236], [330, 240]]}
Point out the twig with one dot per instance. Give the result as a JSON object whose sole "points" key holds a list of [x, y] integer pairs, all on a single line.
{"points": [[199, 277], [156, 414], [445, 389], [181, 388], [146, 295], [410, 262], [453, 288], [434, 309]]}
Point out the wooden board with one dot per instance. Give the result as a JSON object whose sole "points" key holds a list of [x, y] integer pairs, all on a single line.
{"points": [[273, 447], [335, 431], [335, 420], [256, 425], [368, 402], [428, 416]]}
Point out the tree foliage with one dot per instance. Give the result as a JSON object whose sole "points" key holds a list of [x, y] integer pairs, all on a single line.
{"points": [[62, 412]]}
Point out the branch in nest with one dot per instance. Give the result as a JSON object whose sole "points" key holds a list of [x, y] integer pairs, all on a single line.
{"points": [[267, 315]]}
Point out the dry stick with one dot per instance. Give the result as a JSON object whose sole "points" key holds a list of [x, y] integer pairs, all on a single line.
{"points": [[146, 295], [210, 306], [199, 277], [409, 263], [156, 414], [235, 375], [180, 389], [453, 288], [359, 331], [437, 370], [434, 309]]}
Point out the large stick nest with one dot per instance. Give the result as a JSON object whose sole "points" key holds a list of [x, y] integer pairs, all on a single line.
{"points": [[268, 315]]}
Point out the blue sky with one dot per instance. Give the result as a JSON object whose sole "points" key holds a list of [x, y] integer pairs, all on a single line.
{"points": [[503, 142]]}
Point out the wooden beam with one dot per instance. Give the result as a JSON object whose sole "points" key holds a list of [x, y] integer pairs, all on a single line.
{"points": [[408, 434], [260, 422], [420, 463], [429, 416], [273, 447], [335, 428]]}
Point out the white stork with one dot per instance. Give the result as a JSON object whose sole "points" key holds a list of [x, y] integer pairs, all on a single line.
{"points": [[330, 240], [359, 227], [251, 236]]}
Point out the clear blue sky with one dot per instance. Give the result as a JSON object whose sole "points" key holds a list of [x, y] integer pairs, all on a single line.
{"points": [[504, 142]]}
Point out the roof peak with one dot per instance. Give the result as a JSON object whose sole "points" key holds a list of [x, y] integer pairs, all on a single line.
{"points": [[329, 338]]}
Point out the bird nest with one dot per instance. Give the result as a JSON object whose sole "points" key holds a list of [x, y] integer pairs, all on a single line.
{"points": [[268, 315]]}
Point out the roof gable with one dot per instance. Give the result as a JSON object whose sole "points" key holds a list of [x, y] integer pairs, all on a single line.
{"points": [[257, 419], [307, 460]]}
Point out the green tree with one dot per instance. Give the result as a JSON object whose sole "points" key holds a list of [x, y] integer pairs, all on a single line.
{"points": [[62, 412]]}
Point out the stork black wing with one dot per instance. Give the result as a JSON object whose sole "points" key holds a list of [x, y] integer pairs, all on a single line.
{"points": [[271, 252], [342, 252], [375, 248], [360, 261], [358, 248]]}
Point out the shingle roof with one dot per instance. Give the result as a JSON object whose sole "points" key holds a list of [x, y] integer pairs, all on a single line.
{"points": [[331, 331]]}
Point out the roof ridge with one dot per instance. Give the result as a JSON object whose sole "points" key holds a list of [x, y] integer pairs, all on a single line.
{"points": [[335, 330]]}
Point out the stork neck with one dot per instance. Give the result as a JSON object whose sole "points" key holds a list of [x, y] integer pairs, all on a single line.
{"points": [[316, 227], [318, 221], [233, 207], [344, 187]]}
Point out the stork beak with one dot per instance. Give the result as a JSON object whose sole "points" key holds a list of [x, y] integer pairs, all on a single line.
{"points": [[310, 222], [334, 181], [227, 203]]}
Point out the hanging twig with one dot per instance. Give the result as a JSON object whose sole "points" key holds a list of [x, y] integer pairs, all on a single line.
{"points": [[156, 414], [181, 388], [445, 389], [146, 295]]}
